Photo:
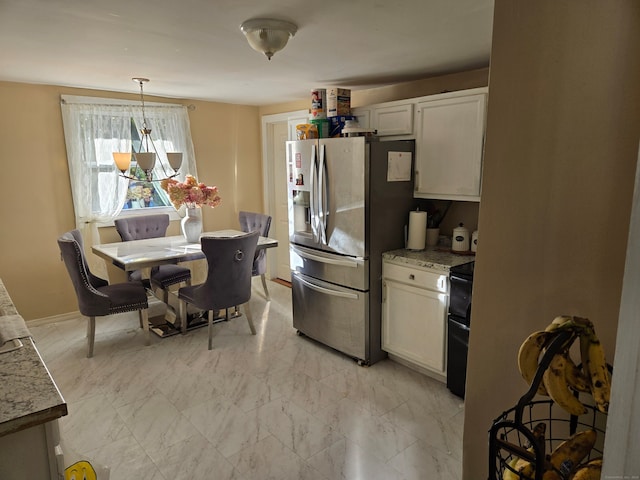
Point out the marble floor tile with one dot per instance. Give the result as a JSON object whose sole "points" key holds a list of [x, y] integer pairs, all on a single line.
{"points": [[274, 406], [269, 459], [296, 428], [369, 431], [195, 457], [345, 460], [155, 423], [363, 390], [418, 462], [227, 427]]}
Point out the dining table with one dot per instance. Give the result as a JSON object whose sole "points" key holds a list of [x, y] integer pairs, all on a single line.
{"points": [[150, 252]]}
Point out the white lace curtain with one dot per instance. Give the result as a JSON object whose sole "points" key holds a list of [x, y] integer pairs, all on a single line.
{"points": [[92, 132]]}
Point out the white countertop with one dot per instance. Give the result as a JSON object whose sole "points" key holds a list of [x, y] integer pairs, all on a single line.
{"points": [[28, 394], [436, 258]]}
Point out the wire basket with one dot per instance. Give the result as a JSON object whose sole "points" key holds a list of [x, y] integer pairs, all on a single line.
{"points": [[511, 435]]}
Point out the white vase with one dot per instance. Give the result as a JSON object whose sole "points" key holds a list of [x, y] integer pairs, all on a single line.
{"points": [[192, 225]]}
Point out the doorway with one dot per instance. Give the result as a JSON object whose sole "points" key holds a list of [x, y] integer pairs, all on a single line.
{"points": [[276, 130]]}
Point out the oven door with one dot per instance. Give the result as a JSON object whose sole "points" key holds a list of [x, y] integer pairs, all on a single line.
{"points": [[460, 297]]}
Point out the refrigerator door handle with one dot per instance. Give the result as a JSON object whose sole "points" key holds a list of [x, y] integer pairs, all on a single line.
{"points": [[323, 189], [326, 291], [313, 192], [330, 260]]}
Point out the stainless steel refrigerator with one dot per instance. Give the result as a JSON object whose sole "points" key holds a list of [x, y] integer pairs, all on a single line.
{"points": [[349, 201]]}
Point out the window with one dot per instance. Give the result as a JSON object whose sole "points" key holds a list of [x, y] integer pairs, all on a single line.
{"points": [[144, 194], [94, 128]]}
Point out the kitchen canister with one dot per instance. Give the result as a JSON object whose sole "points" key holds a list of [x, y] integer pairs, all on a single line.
{"points": [[417, 230], [474, 241], [460, 239]]}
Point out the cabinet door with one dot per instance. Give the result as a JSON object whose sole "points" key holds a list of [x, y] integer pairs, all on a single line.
{"points": [[414, 324], [393, 119], [449, 147]]}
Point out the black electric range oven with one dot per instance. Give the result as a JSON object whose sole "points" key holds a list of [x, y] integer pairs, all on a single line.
{"points": [[458, 323]]}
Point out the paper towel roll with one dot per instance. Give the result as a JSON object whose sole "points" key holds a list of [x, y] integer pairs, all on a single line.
{"points": [[417, 230]]}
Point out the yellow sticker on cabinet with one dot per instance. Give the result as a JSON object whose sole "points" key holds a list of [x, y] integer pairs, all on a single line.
{"points": [[81, 470]]}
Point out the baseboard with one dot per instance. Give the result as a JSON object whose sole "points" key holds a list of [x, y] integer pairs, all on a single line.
{"points": [[282, 282], [63, 317]]}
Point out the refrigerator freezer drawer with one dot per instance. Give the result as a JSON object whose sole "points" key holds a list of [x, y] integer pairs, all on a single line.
{"points": [[335, 316], [338, 269]]}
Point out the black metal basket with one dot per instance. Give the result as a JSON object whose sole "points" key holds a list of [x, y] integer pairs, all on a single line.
{"points": [[511, 435]]}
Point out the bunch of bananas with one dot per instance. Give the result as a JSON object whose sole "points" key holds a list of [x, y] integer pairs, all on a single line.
{"points": [[563, 376], [563, 463]]}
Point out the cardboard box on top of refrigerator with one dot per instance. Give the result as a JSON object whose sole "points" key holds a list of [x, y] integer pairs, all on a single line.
{"points": [[338, 102]]}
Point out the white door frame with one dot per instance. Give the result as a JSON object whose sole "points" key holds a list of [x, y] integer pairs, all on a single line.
{"points": [[268, 166], [622, 442]]}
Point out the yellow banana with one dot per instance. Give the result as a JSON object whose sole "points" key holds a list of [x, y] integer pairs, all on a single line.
{"points": [[509, 474], [598, 372], [576, 379], [555, 382], [589, 471], [567, 456], [528, 355], [561, 321]]}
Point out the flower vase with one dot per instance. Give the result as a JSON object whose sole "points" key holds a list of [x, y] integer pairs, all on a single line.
{"points": [[191, 225]]}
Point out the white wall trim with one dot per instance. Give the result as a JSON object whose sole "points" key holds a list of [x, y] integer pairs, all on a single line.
{"points": [[63, 317], [268, 179], [622, 443]]}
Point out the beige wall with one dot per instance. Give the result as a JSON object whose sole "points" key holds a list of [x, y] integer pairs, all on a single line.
{"points": [[560, 157], [399, 91], [35, 200]]}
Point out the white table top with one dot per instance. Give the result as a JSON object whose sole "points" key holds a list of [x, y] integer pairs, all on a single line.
{"points": [[137, 254]]}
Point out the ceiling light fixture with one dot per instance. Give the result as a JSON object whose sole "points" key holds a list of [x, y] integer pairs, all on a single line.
{"points": [[268, 36], [146, 159]]}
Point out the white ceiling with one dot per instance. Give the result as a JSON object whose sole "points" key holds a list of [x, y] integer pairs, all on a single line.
{"points": [[194, 48]]}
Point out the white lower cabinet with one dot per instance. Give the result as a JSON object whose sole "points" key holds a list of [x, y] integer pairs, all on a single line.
{"points": [[414, 315]]}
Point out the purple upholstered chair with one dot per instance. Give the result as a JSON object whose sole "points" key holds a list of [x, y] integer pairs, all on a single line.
{"points": [[228, 283], [152, 226], [96, 298], [249, 222]]}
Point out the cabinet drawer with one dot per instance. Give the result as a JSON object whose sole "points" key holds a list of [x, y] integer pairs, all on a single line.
{"points": [[438, 282]]}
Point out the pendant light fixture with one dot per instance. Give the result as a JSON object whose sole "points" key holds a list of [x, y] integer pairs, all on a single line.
{"points": [[267, 35], [146, 156]]}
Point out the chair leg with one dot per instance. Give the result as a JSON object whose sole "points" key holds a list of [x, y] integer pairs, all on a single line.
{"points": [[247, 313], [210, 329], [144, 319], [91, 335], [264, 285], [183, 316]]}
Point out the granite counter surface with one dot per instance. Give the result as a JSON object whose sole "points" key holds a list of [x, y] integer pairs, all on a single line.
{"points": [[28, 394], [435, 258]]}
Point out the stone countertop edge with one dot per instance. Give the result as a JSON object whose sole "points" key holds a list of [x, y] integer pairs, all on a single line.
{"points": [[435, 258], [28, 394]]}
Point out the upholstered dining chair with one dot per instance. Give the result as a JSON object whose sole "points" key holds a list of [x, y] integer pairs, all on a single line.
{"points": [[96, 298], [228, 283], [152, 226], [250, 221]]}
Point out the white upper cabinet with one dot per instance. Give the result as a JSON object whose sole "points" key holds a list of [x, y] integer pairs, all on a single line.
{"points": [[449, 145], [388, 119], [392, 118]]}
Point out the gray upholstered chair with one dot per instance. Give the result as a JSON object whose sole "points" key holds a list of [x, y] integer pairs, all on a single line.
{"points": [[96, 298], [228, 283], [249, 222], [152, 226]]}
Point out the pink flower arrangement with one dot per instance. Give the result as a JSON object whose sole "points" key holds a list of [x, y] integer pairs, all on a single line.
{"points": [[190, 193]]}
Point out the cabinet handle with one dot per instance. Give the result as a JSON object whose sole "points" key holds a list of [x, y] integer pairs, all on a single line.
{"points": [[416, 183]]}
